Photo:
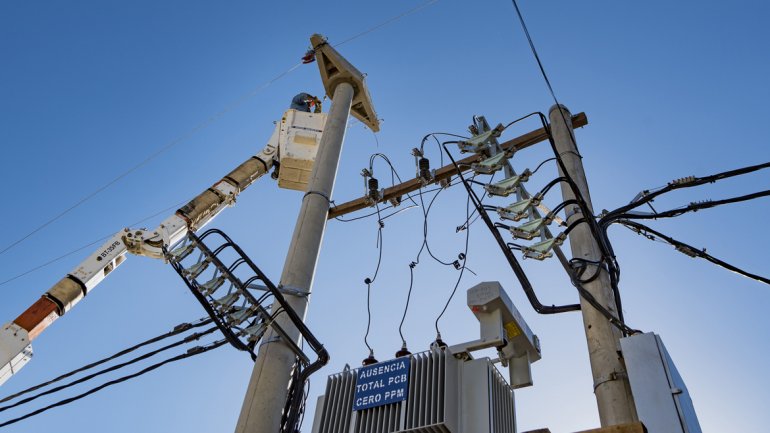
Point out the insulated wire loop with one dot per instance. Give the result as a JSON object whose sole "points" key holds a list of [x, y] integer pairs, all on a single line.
{"points": [[393, 171]]}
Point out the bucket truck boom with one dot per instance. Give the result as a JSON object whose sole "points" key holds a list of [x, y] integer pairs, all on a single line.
{"points": [[295, 139]]}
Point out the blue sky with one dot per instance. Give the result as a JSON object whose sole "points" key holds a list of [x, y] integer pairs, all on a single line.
{"points": [[671, 89]]}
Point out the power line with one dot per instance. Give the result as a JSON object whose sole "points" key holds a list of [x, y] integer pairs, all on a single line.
{"points": [[188, 339], [601, 241], [694, 207], [406, 306], [685, 182], [178, 329], [688, 250], [197, 350], [386, 22]]}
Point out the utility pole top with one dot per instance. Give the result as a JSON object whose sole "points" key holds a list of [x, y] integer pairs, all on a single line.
{"points": [[335, 69]]}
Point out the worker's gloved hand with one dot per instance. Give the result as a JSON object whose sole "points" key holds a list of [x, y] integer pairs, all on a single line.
{"points": [[314, 103]]}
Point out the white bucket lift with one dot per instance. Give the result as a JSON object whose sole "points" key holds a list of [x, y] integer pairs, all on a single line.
{"points": [[297, 137]]}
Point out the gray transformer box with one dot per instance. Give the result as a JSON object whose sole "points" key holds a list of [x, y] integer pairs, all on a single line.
{"points": [[446, 395], [662, 401]]}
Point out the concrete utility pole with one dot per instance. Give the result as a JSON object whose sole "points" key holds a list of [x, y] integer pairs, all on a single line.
{"points": [[611, 387], [267, 391]]}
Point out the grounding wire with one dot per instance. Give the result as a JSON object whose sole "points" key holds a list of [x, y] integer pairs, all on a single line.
{"points": [[396, 212]]}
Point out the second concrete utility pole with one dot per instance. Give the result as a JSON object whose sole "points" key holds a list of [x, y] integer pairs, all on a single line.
{"points": [[611, 387]]}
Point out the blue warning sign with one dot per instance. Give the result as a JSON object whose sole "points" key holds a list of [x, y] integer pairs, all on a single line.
{"points": [[383, 383]]}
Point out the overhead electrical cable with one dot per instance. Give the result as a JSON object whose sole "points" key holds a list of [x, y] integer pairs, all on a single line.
{"points": [[386, 22], [166, 147], [188, 339], [602, 242], [692, 207], [686, 182], [178, 329], [688, 250], [406, 306], [197, 350]]}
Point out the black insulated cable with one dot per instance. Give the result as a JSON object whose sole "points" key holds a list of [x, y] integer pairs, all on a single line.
{"points": [[690, 250], [178, 329], [188, 339], [197, 350], [687, 182]]}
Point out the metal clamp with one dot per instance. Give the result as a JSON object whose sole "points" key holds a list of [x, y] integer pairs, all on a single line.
{"points": [[326, 197], [615, 375]]}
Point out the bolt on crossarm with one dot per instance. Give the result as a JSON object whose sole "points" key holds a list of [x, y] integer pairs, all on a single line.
{"points": [[268, 387], [611, 387]]}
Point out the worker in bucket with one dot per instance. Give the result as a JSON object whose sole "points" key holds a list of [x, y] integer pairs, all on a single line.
{"points": [[304, 102]]}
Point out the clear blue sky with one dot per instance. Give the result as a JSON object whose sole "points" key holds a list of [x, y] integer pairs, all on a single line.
{"points": [[671, 89]]}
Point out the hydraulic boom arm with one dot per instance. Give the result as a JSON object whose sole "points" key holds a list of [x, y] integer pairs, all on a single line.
{"points": [[15, 337]]}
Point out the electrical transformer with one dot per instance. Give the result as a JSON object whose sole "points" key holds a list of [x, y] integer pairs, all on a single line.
{"points": [[443, 394], [443, 390]]}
